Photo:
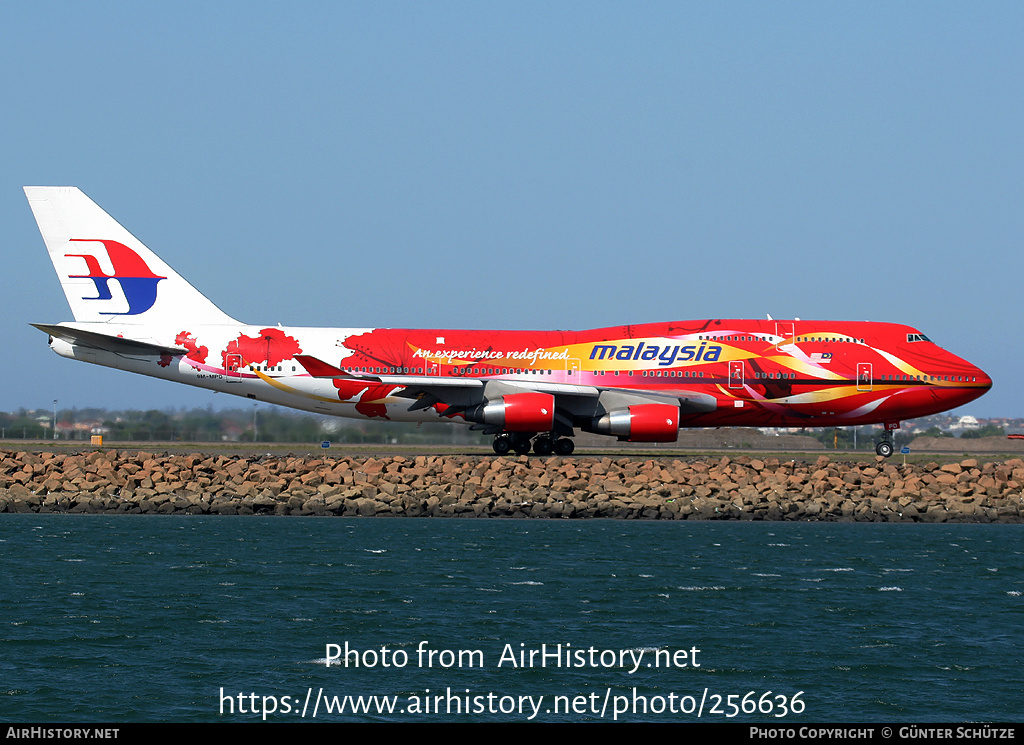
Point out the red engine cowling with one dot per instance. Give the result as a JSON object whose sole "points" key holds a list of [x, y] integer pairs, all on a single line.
{"points": [[520, 412], [642, 423]]}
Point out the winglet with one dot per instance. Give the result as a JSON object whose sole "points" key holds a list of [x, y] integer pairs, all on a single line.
{"points": [[318, 368]]}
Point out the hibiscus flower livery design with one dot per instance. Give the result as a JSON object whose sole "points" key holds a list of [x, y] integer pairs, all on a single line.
{"points": [[272, 346], [196, 353], [380, 348], [466, 354], [371, 396], [403, 351]]}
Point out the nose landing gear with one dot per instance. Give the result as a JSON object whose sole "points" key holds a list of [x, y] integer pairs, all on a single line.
{"points": [[885, 447]]}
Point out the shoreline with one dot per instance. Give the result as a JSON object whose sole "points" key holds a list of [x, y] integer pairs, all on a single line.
{"points": [[740, 487]]}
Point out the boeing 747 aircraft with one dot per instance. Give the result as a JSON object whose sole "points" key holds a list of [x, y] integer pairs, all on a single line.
{"points": [[530, 389]]}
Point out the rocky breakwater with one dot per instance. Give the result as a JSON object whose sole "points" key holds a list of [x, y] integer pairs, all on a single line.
{"points": [[743, 488]]}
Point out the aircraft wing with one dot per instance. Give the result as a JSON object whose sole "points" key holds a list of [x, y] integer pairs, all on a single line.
{"points": [[460, 392], [107, 342], [320, 369]]}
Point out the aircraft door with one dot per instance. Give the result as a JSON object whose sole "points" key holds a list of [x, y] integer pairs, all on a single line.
{"points": [[864, 381], [233, 365], [736, 373], [573, 366], [786, 333]]}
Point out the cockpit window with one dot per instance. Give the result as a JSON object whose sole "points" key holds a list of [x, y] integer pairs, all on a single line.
{"points": [[917, 337]]}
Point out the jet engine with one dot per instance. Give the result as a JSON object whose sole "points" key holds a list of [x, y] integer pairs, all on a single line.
{"points": [[517, 412], [641, 423]]}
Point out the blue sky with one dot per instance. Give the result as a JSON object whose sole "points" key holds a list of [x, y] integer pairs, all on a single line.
{"points": [[525, 165]]}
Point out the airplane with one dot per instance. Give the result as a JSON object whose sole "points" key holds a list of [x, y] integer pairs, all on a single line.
{"points": [[532, 390]]}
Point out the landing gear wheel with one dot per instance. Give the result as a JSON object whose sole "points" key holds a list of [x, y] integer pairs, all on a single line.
{"points": [[884, 448], [564, 446], [543, 446], [521, 445], [502, 444]]}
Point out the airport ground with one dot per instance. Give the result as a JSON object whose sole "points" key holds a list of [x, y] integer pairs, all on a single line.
{"points": [[692, 444]]}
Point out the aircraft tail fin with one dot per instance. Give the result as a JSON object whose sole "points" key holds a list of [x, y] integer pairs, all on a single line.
{"points": [[109, 275]]}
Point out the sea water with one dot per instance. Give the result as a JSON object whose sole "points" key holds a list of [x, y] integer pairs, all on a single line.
{"points": [[195, 618]]}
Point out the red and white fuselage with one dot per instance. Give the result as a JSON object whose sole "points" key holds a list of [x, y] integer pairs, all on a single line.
{"points": [[638, 382]]}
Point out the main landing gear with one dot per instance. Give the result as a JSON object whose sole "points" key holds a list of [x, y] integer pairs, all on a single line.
{"points": [[544, 444], [505, 443]]}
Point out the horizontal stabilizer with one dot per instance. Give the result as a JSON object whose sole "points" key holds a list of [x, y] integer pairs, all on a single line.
{"points": [[107, 342]]}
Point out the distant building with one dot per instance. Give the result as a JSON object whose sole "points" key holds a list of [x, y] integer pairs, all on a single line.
{"points": [[964, 423]]}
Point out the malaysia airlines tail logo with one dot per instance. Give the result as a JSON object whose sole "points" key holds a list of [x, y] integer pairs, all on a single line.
{"points": [[137, 281]]}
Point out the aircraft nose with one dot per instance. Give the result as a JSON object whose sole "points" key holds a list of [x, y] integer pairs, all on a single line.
{"points": [[978, 382], [984, 381]]}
